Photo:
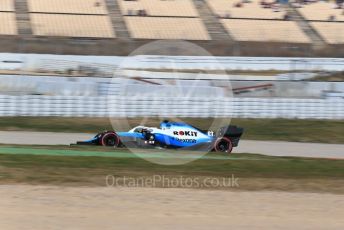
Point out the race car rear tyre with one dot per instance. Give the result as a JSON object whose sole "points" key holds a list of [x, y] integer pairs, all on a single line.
{"points": [[110, 139], [223, 144]]}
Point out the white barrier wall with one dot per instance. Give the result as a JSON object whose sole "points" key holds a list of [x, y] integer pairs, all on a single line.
{"points": [[109, 63], [115, 106]]}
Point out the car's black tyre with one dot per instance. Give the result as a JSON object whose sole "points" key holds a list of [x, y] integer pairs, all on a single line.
{"points": [[110, 139], [223, 144]]}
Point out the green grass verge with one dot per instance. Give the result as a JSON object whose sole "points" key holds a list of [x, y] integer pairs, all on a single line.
{"points": [[334, 76], [255, 172], [323, 131]]}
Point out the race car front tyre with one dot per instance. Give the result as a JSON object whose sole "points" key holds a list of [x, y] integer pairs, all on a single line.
{"points": [[110, 139], [223, 144]]}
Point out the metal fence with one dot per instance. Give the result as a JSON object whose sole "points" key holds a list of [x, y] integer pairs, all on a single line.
{"points": [[116, 106]]}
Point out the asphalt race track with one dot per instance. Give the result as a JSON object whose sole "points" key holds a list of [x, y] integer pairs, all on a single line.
{"points": [[272, 148]]}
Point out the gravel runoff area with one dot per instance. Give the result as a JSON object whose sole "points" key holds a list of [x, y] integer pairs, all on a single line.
{"points": [[48, 207]]}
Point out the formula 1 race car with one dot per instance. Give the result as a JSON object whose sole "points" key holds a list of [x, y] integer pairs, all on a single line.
{"points": [[171, 135]]}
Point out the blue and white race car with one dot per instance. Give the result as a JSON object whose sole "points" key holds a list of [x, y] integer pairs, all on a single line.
{"points": [[171, 135]]}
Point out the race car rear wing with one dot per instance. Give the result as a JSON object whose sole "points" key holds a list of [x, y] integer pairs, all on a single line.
{"points": [[233, 132]]}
